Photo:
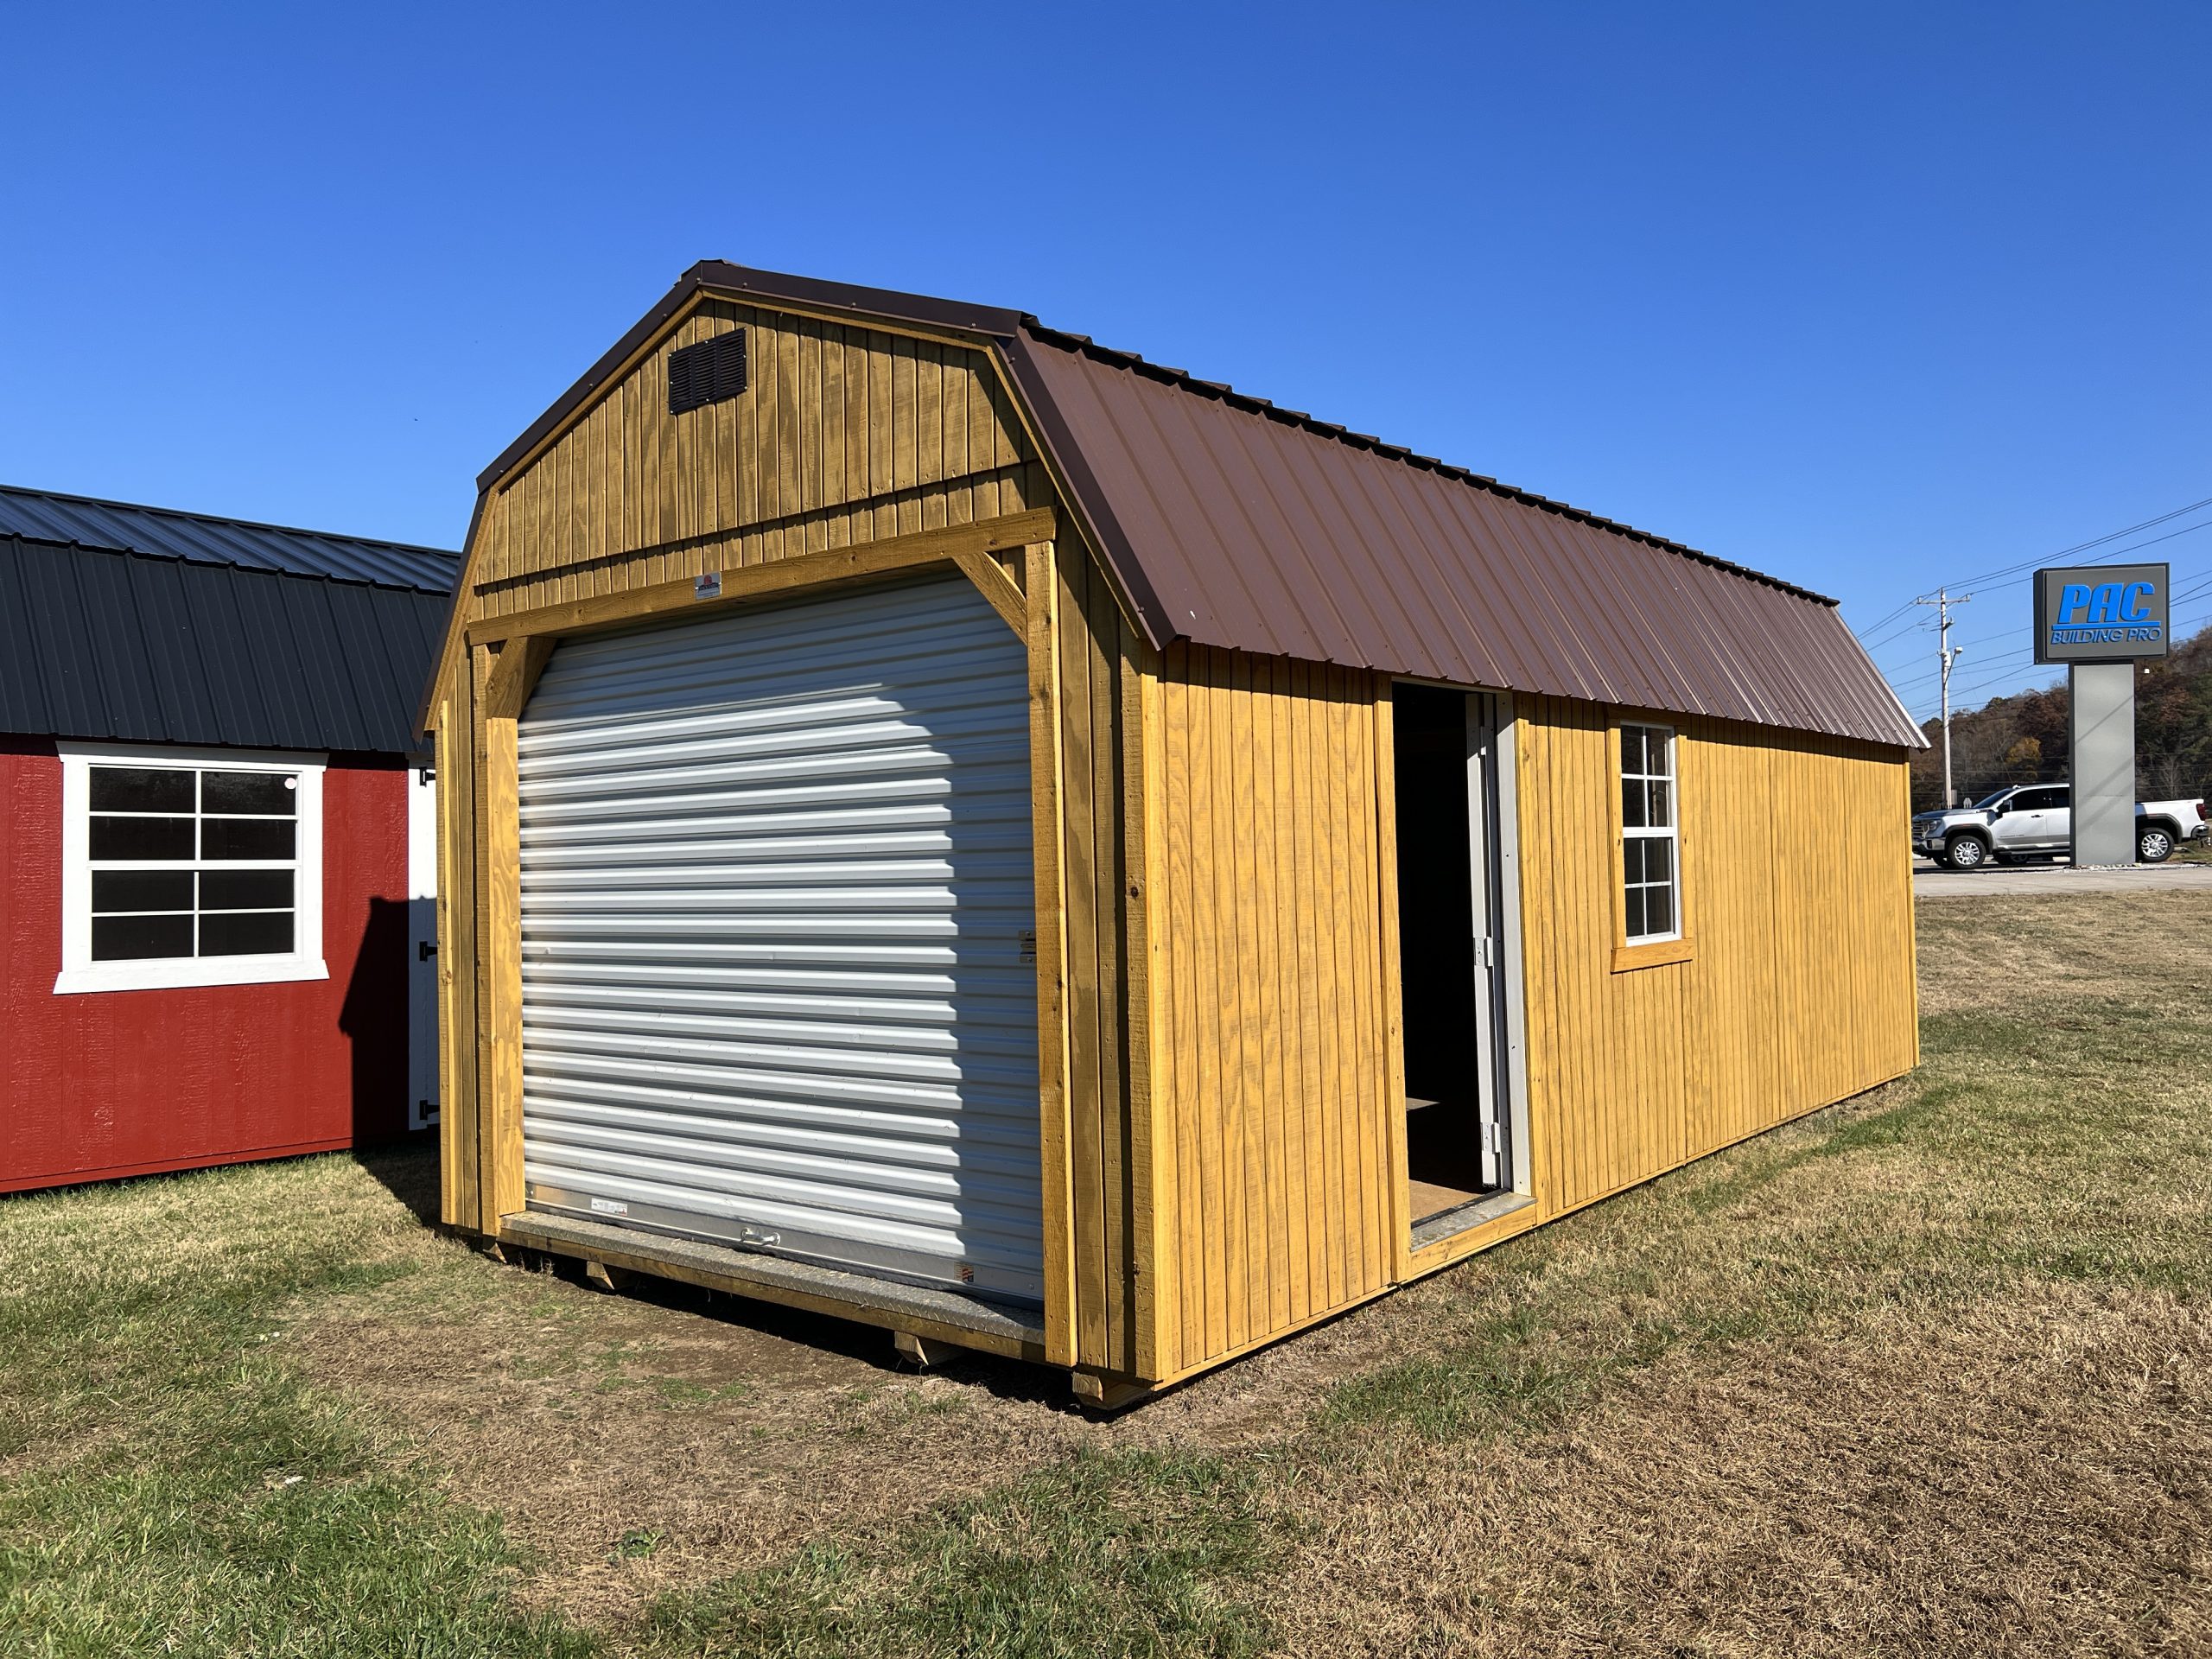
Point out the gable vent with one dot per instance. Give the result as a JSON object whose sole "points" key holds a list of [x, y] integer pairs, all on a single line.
{"points": [[705, 374]]}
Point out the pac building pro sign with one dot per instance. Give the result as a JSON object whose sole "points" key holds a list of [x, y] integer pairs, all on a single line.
{"points": [[2101, 613]]}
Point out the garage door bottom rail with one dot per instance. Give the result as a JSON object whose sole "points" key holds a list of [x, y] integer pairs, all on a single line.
{"points": [[941, 1315]]}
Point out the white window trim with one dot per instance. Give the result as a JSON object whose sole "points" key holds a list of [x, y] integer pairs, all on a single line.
{"points": [[1670, 833], [79, 973]]}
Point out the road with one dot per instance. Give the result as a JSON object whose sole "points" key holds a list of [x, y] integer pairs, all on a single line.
{"points": [[2056, 878]]}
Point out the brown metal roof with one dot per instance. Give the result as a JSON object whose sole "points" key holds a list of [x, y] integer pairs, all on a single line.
{"points": [[1232, 521], [1263, 529]]}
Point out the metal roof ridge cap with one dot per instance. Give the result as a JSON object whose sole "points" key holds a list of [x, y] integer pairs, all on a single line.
{"points": [[74, 546], [1222, 392], [213, 519], [891, 304]]}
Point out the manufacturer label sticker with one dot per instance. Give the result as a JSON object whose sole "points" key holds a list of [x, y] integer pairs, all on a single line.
{"points": [[609, 1207], [706, 586]]}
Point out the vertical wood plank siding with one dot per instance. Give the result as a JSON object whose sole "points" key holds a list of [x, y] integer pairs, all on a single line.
{"points": [[1268, 1035], [1100, 666], [1225, 869], [1275, 1056], [1798, 992], [846, 435]]}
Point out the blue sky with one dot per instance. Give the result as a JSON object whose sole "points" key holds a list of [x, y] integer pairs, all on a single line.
{"points": [[1870, 296]]}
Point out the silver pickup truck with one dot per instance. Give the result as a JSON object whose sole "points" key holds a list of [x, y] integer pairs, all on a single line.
{"points": [[2026, 821]]}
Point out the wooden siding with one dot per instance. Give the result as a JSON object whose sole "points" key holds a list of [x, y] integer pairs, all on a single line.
{"points": [[1798, 988], [846, 435], [1100, 662], [1279, 1183], [1223, 869], [1269, 1045]]}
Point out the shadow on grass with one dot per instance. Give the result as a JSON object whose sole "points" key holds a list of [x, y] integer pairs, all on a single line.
{"points": [[408, 1170]]}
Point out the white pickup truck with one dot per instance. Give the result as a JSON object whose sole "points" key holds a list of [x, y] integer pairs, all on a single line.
{"points": [[2026, 821]]}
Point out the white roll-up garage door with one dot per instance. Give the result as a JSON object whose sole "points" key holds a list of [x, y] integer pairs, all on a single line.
{"points": [[778, 974]]}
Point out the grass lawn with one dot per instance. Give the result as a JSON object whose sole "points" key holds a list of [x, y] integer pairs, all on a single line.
{"points": [[1927, 1372]]}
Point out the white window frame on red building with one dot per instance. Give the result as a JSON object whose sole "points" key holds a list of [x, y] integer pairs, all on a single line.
{"points": [[304, 961]]}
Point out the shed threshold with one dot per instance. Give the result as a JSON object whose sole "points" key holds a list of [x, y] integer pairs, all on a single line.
{"points": [[1468, 1216], [941, 1315]]}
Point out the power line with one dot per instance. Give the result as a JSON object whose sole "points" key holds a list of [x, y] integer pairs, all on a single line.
{"points": [[2028, 564], [2083, 547], [2109, 558], [1986, 661], [2028, 670], [2000, 633]]}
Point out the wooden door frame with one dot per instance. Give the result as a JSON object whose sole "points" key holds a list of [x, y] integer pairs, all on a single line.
{"points": [[1513, 1208], [505, 656]]}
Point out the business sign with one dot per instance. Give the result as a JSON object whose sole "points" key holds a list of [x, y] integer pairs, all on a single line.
{"points": [[2101, 613]]}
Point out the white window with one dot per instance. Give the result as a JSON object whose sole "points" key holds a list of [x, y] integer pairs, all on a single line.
{"points": [[188, 867], [1650, 867]]}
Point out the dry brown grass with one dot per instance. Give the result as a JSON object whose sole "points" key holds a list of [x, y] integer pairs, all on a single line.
{"points": [[1923, 1372], [2017, 952], [718, 1435], [709, 1445], [2029, 1476]]}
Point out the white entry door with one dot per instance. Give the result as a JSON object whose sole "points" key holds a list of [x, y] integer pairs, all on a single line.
{"points": [[778, 964], [422, 948]]}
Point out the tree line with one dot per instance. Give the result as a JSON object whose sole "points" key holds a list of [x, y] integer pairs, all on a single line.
{"points": [[2022, 738]]}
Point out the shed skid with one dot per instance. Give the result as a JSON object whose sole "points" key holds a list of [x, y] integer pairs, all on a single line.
{"points": [[864, 893]]}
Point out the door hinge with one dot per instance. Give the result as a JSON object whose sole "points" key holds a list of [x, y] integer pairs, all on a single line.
{"points": [[1484, 957], [424, 950], [1492, 1141]]}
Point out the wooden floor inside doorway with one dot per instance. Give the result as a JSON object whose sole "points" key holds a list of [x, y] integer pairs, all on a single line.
{"points": [[1427, 1198], [1433, 1145]]}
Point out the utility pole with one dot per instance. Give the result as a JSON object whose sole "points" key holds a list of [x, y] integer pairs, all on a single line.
{"points": [[1945, 655]]}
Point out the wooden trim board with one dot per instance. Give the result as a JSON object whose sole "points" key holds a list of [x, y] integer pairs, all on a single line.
{"points": [[934, 1315], [1054, 1154], [702, 595]]}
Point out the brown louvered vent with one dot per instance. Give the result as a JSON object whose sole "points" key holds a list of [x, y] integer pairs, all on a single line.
{"points": [[705, 374]]}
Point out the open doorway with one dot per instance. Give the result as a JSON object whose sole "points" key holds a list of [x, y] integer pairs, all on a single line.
{"points": [[1449, 960]]}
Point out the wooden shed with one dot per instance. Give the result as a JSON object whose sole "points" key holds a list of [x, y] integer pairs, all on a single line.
{"points": [[956, 827]]}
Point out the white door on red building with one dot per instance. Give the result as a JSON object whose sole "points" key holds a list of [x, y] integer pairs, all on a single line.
{"points": [[422, 948]]}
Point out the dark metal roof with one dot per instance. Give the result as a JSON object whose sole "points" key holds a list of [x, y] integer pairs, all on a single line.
{"points": [[97, 644], [1229, 521], [163, 532]]}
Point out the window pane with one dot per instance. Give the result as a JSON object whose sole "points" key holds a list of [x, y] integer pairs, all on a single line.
{"points": [[141, 789], [1632, 803], [244, 838], [141, 890], [1663, 803], [245, 890], [273, 792], [1658, 909], [131, 938], [1660, 752], [140, 837], [1631, 748], [1636, 912], [245, 933], [1632, 859]]}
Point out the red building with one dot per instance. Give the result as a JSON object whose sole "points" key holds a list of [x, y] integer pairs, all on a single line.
{"points": [[216, 872]]}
